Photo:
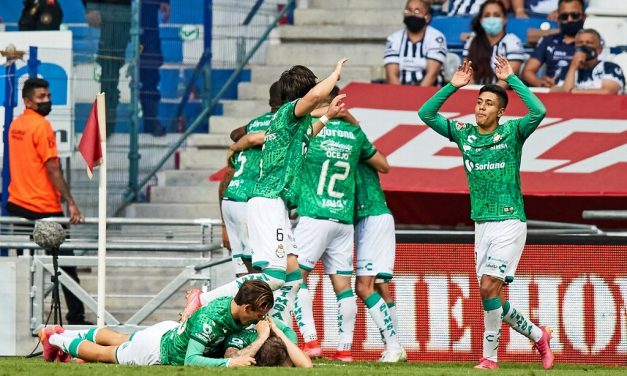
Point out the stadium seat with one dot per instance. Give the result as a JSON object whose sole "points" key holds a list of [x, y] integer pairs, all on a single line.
{"points": [[612, 29], [610, 8]]}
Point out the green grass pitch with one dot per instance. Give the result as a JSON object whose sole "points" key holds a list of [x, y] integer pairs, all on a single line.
{"points": [[10, 366]]}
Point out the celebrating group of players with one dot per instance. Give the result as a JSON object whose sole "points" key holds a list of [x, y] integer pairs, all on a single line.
{"points": [[309, 154]]}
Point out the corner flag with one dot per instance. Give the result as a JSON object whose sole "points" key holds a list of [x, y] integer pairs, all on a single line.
{"points": [[89, 146]]}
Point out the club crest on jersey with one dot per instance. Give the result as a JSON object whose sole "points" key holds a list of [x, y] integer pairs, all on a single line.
{"points": [[460, 126], [497, 137], [280, 252]]}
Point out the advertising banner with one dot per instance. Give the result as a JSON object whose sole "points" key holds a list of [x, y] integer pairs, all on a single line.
{"points": [[578, 290], [54, 53]]}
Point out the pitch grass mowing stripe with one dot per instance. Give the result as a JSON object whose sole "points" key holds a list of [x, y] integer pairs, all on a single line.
{"points": [[10, 366]]}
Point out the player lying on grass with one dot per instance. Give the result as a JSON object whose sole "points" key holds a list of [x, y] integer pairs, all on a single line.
{"points": [[168, 342], [271, 343], [491, 154]]}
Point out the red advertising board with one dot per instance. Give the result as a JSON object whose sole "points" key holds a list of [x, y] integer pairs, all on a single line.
{"points": [[578, 290], [576, 159]]}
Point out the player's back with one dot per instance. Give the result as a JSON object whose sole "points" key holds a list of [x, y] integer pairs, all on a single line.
{"points": [[369, 196], [327, 187], [285, 145]]}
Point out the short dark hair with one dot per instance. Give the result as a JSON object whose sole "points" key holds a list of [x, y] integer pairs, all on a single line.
{"points": [[593, 32], [295, 83], [272, 353], [275, 96], [334, 93], [570, 1], [256, 293], [499, 91], [31, 84]]}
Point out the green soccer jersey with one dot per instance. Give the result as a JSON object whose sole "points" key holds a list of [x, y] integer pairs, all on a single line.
{"points": [[282, 155], [246, 164], [327, 188], [209, 325], [370, 199], [491, 161], [245, 337]]}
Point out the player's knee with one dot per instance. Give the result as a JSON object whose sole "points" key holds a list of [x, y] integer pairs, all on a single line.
{"points": [[275, 283], [363, 289]]}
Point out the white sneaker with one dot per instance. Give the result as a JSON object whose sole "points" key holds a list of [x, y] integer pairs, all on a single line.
{"points": [[394, 356]]}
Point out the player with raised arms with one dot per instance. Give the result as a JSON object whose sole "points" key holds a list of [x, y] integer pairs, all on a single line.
{"points": [[491, 156]]}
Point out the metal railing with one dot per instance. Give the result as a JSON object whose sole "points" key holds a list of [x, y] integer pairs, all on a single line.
{"points": [[202, 117], [605, 214]]}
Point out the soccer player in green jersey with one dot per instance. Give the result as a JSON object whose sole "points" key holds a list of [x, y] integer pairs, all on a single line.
{"points": [[326, 206], [491, 155], [375, 244], [271, 343], [169, 342], [285, 144], [236, 186]]}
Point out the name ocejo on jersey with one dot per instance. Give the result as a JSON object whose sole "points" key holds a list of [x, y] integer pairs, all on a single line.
{"points": [[336, 150]]}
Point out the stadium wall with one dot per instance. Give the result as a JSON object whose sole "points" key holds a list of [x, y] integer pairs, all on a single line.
{"points": [[577, 286]]}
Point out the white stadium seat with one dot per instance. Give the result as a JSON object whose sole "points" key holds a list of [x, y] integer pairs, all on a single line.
{"points": [[621, 60], [612, 29], [611, 8]]}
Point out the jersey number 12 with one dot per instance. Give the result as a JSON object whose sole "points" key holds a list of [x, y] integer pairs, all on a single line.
{"points": [[341, 176]]}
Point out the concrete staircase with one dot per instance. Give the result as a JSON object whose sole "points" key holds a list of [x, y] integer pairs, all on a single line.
{"points": [[323, 32]]}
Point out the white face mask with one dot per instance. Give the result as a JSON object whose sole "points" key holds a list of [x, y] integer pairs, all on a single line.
{"points": [[492, 25]]}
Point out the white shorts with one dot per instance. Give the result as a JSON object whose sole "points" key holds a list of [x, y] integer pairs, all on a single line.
{"points": [[269, 233], [144, 348], [235, 220], [375, 239], [331, 241], [498, 247]]}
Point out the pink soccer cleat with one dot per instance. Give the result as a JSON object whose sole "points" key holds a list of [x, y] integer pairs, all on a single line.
{"points": [[50, 353], [312, 348], [544, 347], [486, 364], [192, 303], [343, 356]]}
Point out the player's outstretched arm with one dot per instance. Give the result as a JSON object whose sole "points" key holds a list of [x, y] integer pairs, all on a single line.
{"points": [[429, 110], [296, 355], [193, 356], [379, 162], [537, 111], [250, 140], [319, 92], [335, 109]]}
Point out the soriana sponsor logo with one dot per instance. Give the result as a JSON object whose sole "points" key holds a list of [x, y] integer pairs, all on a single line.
{"points": [[579, 149], [578, 290]]}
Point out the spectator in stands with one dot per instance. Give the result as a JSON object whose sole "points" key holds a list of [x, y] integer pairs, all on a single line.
{"points": [[556, 51], [37, 183], [537, 8], [113, 17], [415, 55], [150, 59], [40, 15], [468, 7], [489, 40], [587, 73]]}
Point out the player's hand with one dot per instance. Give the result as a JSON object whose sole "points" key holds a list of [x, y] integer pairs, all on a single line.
{"points": [[225, 238], [241, 361], [503, 69], [338, 67], [75, 213], [229, 157], [463, 75], [336, 107], [93, 18], [547, 81], [263, 328]]}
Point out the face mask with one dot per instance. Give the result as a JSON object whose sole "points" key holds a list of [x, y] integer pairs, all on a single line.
{"points": [[590, 52], [414, 24], [492, 25], [44, 108], [571, 28]]}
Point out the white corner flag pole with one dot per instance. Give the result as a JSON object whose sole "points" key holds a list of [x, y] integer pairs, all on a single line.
{"points": [[102, 210]]}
